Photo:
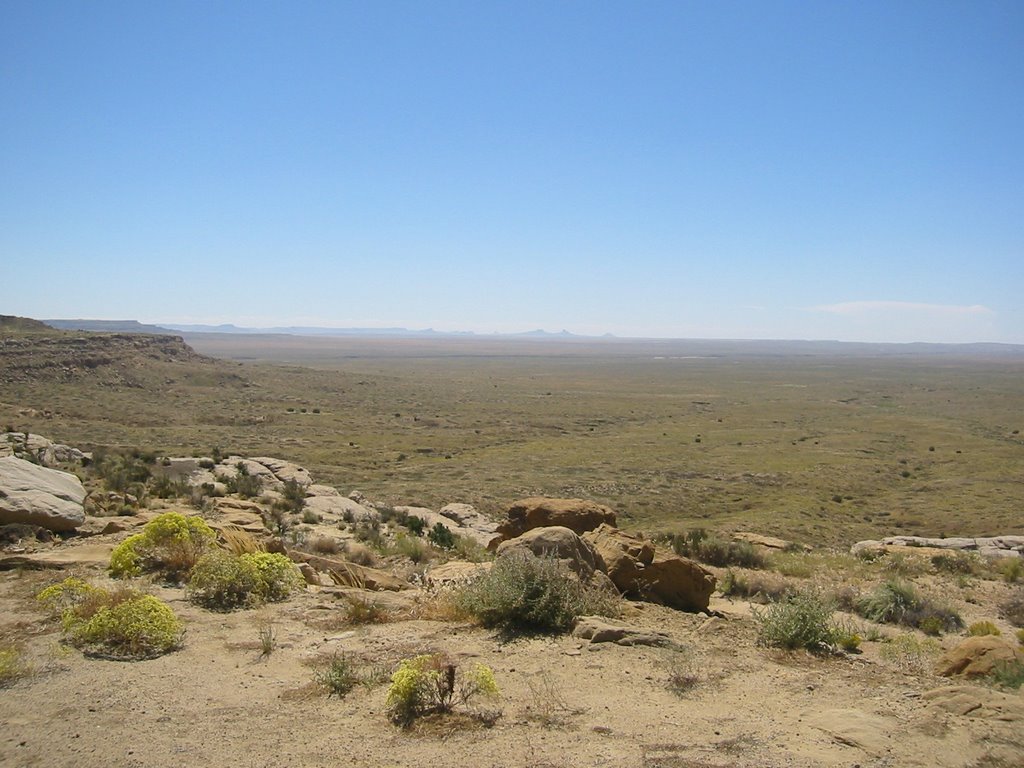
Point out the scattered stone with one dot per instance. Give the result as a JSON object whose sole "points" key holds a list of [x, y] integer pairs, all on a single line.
{"points": [[599, 629], [977, 657], [986, 546], [35, 495], [578, 515]]}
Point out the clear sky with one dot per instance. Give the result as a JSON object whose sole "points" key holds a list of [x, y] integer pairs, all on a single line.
{"points": [[723, 169]]}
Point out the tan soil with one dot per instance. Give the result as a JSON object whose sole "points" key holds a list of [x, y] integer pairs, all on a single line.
{"points": [[218, 702]]}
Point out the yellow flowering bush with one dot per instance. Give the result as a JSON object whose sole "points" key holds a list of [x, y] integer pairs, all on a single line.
{"points": [[170, 544], [432, 683], [121, 623], [221, 581]]}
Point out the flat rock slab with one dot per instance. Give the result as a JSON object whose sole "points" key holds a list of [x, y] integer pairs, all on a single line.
{"points": [[91, 555], [869, 732], [599, 629], [972, 701]]}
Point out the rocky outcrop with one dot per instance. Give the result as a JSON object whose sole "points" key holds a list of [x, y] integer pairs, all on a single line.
{"points": [[333, 509], [977, 657], [625, 557], [284, 471], [578, 515], [560, 543], [454, 573], [471, 522], [977, 702], [767, 542], [678, 583], [346, 574], [38, 449], [35, 495], [985, 546]]}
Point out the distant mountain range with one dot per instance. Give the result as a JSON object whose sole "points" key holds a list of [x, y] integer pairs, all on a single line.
{"points": [[134, 326]]}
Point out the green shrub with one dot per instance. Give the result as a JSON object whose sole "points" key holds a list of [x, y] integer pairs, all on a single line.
{"points": [[1012, 569], [413, 548], [847, 637], [1020, 636], [12, 664], [1009, 674], [432, 683], [122, 623], [170, 544], [1012, 609], [712, 550], [522, 592], [361, 611], [979, 628], [897, 602], [958, 563], [441, 537], [245, 485], [223, 582], [414, 524], [803, 620], [338, 677]]}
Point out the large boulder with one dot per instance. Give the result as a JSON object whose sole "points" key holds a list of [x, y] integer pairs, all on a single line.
{"points": [[625, 557], [36, 495], [977, 657], [333, 509], [560, 543], [678, 583], [285, 471], [578, 515]]}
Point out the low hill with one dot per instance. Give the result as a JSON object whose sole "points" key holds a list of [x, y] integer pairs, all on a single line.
{"points": [[109, 326]]}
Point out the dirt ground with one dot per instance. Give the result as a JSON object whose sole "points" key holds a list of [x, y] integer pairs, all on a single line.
{"points": [[564, 702]]}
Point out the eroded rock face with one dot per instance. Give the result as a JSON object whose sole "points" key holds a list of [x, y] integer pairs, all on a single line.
{"points": [[558, 542], [977, 657], [599, 629], [35, 495], [578, 515], [625, 556], [678, 583]]}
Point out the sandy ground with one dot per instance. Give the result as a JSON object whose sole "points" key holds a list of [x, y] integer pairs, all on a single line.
{"points": [[218, 701]]}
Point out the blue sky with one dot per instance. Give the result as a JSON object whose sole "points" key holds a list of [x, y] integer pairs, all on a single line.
{"points": [[820, 170]]}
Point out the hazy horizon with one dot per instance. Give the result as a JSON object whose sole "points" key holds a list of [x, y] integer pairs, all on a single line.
{"points": [[685, 170]]}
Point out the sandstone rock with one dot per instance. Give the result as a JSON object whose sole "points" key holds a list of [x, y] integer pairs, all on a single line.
{"points": [[678, 583], [972, 701], [461, 520], [599, 629], [92, 555], [852, 727], [39, 496], [578, 515], [337, 508], [346, 574], [34, 448], [625, 556], [768, 542], [986, 546], [233, 466], [560, 543], [285, 471], [322, 490], [977, 657]]}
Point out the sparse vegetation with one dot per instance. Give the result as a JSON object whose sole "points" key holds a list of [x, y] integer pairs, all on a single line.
{"points": [[980, 628], [1009, 674], [802, 620], [897, 602], [433, 683], [523, 593], [698, 544], [13, 665]]}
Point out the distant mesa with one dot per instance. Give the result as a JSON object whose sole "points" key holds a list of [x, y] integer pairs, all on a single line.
{"points": [[109, 326]]}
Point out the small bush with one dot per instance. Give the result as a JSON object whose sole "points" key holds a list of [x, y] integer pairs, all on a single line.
{"points": [[13, 666], [223, 582], [758, 587], [847, 637], [522, 592], [432, 683], [170, 544], [803, 620], [959, 563], [1020, 636], [1009, 674], [441, 537], [909, 653], [1012, 609], [361, 611], [242, 483], [338, 677], [698, 545], [980, 628], [412, 548], [1012, 569], [897, 602], [360, 554], [122, 624], [414, 524]]}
